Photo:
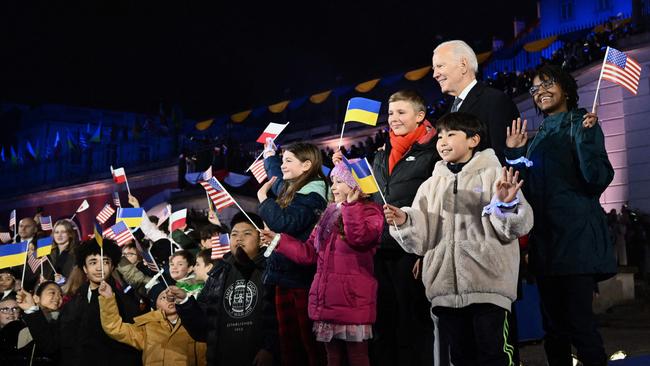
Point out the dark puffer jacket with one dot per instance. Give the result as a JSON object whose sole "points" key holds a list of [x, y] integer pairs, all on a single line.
{"points": [[408, 174]]}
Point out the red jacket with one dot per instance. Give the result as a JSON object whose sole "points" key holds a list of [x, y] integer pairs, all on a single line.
{"points": [[344, 290]]}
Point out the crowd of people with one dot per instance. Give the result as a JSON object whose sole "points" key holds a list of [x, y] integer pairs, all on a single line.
{"points": [[420, 268]]}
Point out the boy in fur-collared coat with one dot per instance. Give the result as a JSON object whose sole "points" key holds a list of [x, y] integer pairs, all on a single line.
{"points": [[465, 221]]}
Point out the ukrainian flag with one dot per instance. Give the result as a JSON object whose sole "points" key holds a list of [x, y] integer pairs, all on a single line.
{"points": [[363, 175], [44, 246], [132, 217], [362, 110], [13, 254], [98, 234]]}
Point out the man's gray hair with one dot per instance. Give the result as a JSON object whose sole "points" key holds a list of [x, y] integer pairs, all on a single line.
{"points": [[460, 50]]}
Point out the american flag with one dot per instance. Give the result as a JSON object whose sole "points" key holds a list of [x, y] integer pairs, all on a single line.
{"points": [[217, 194], [34, 262], [116, 199], [220, 245], [46, 223], [622, 69], [5, 237], [119, 232], [105, 214], [258, 171], [148, 260], [12, 219]]}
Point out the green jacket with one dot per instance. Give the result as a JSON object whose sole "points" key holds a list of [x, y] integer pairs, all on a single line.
{"points": [[569, 173]]}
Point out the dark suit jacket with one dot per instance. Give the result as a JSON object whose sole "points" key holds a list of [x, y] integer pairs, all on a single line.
{"points": [[496, 110]]}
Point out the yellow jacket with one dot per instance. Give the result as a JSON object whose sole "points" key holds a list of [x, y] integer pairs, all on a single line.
{"points": [[160, 342]]}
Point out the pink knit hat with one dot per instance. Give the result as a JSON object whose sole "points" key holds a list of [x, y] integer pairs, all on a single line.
{"points": [[343, 172]]}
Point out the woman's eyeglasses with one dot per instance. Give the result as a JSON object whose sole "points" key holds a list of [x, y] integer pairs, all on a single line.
{"points": [[546, 84]]}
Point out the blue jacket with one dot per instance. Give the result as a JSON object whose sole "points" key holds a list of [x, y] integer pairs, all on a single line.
{"points": [[569, 173], [298, 219]]}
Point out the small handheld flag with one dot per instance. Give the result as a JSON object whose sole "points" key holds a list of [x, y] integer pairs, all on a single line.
{"points": [[119, 177], [116, 199], [362, 110], [220, 245], [258, 171], [44, 246], [5, 237], [12, 254], [12, 219], [178, 219], [220, 198], [97, 232], [34, 262], [83, 207], [132, 217], [120, 233], [271, 131], [362, 175], [621, 69], [46, 223], [105, 214]]}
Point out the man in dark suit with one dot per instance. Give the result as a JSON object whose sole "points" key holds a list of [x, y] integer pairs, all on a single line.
{"points": [[455, 67]]}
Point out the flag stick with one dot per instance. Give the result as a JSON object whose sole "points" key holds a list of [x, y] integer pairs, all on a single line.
{"points": [[238, 206], [42, 273], [51, 265], [22, 280], [593, 107], [101, 259], [341, 138], [73, 215], [255, 161], [127, 184], [372, 174]]}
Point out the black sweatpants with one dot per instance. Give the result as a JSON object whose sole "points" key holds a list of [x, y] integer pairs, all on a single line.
{"points": [[568, 319], [476, 334], [403, 332]]}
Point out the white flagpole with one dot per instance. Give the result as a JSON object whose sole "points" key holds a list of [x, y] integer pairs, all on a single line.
{"points": [[341, 137], [593, 107], [101, 258], [127, 184], [238, 206], [22, 280], [372, 174], [51, 265]]}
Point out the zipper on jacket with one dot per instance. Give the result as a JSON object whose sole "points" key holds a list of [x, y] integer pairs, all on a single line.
{"points": [[453, 238]]}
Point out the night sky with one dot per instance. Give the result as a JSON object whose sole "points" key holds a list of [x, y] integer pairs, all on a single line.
{"points": [[224, 58]]}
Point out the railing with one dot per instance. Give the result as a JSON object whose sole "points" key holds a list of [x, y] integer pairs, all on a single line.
{"points": [[80, 166]]}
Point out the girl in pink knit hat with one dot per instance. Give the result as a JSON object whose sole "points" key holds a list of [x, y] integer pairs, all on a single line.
{"points": [[343, 295]]}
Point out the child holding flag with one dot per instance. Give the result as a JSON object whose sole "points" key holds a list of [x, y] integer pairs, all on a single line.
{"points": [[465, 221], [343, 295], [566, 169], [159, 334], [300, 190]]}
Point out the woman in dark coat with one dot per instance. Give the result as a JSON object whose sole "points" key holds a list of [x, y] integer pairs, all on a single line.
{"points": [[565, 169]]}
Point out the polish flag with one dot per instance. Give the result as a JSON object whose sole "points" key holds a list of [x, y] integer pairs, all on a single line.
{"points": [[178, 219], [119, 175], [271, 131]]}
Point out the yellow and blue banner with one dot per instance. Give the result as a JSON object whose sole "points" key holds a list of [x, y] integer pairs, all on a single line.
{"points": [[13, 254], [362, 174], [362, 110], [44, 246], [132, 217]]}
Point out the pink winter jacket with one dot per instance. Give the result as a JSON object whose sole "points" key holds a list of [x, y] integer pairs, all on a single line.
{"points": [[344, 290]]}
